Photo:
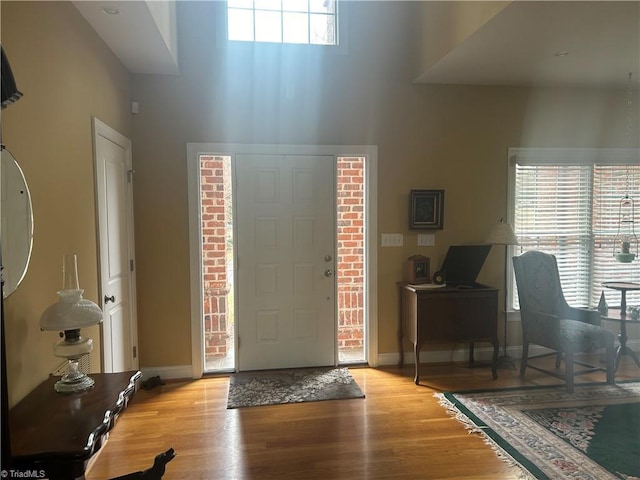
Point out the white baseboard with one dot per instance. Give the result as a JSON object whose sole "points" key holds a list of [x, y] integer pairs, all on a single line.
{"points": [[483, 354], [168, 373]]}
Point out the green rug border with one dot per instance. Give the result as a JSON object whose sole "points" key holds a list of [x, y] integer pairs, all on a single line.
{"points": [[504, 445], [490, 433]]}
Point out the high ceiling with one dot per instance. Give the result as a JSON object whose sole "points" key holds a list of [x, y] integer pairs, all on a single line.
{"points": [[549, 43], [546, 43]]}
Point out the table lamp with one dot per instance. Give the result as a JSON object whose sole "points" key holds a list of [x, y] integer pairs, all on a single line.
{"points": [[69, 314]]}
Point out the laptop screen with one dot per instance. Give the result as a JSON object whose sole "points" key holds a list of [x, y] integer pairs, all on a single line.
{"points": [[463, 263]]}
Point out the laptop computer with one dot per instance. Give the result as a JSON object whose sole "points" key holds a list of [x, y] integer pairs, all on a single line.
{"points": [[463, 263]]}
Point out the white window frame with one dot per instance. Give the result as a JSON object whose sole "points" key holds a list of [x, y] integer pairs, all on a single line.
{"points": [[341, 19], [561, 156]]}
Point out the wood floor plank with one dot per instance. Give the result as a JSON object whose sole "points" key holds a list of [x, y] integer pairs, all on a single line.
{"points": [[399, 431]]}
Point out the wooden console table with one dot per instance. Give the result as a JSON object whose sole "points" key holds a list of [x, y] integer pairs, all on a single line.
{"points": [[448, 315], [56, 434]]}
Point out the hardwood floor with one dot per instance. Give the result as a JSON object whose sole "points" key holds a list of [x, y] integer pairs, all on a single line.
{"points": [[398, 431]]}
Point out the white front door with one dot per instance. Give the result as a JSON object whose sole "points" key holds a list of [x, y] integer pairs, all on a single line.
{"points": [[286, 238], [115, 226]]}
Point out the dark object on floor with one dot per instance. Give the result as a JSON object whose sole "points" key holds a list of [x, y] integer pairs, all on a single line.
{"points": [[154, 473], [152, 382]]}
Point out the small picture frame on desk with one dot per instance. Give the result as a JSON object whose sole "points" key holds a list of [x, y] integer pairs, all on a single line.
{"points": [[417, 270], [426, 210]]}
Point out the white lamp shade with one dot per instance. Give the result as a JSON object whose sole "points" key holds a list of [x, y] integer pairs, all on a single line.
{"points": [[502, 234], [71, 312]]}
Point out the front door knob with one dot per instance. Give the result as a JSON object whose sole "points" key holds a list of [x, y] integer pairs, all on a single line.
{"points": [[328, 273]]}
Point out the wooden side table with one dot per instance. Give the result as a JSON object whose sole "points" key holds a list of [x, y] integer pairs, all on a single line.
{"points": [[617, 315], [448, 315], [57, 434]]}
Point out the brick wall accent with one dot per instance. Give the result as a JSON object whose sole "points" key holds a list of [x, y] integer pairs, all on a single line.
{"points": [[350, 271], [214, 255]]}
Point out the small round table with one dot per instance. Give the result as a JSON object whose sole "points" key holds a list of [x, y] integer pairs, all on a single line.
{"points": [[621, 316], [623, 288], [615, 315]]}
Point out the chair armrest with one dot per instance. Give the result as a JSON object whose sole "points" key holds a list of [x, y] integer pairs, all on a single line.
{"points": [[582, 315]]}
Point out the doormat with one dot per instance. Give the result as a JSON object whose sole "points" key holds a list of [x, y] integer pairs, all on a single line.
{"points": [[291, 386], [593, 433]]}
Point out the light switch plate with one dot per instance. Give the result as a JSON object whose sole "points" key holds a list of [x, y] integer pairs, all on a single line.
{"points": [[392, 240], [426, 239]]}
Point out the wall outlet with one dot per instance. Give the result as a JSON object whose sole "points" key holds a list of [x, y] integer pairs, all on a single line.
{"points": [[426, 239], [392, 240]]}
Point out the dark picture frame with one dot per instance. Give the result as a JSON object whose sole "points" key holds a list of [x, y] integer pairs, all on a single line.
{"points": [[426, 210]]}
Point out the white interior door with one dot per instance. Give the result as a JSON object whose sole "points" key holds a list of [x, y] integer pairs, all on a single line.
{"points": [[115, 225], [285, 212]]}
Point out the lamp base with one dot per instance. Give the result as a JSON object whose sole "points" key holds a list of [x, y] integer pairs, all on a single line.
{"points": [[66, 385], [74, 380]]}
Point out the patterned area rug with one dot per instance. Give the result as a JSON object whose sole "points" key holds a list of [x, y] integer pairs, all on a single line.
{"points": [[593, 433], [291, 386]]}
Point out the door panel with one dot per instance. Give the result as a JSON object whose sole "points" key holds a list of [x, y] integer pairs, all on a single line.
{"points": [[286, 246], [116, 252]]}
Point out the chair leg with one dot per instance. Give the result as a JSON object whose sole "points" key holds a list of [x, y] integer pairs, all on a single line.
{"points": [[568, 370], [610, 361], [525, 355]]}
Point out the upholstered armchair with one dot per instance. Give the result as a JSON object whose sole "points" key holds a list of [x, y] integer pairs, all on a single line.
{"points": [[548, 320]]}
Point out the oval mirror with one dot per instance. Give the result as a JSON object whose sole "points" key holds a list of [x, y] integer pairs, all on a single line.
{"points": [[17, 223]]}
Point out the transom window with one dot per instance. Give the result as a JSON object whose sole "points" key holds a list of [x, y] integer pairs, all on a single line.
{"points": [[311, 22]]}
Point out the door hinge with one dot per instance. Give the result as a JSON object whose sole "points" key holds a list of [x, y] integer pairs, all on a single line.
{"points": [[130, 175], [131, 265], [135, 352]]}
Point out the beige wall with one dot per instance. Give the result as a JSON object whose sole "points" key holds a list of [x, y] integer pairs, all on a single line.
{"points": [[454, 138], [67, 75]]}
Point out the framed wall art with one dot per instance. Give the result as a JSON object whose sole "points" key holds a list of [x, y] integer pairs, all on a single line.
{"points": [[426, 210]]}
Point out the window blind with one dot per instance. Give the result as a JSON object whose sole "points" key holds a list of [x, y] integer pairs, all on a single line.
{"points": [[610, 184], [553, 214], [565, 202]]}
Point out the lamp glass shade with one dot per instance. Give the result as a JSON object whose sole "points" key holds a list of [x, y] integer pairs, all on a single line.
{"points": [[70, 273], [71, 312], [502, 234]]}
